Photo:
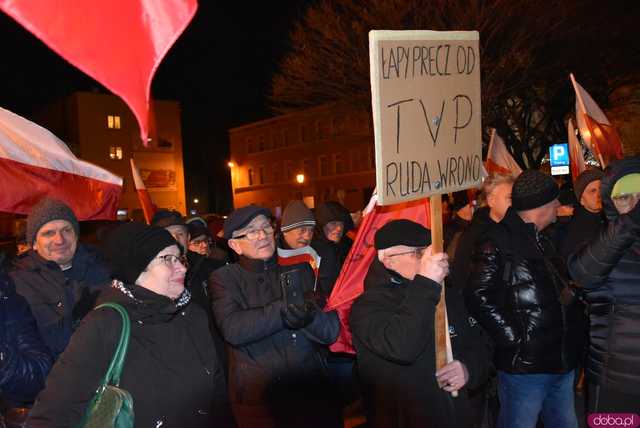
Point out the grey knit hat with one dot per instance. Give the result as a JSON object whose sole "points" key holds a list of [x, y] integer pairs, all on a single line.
{"points": [[583, 180], [295, 215], [47, 210], [533, 189]]}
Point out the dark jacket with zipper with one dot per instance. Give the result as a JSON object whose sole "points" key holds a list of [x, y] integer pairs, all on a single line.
{"points": [[171, 368], [608, 268], [514, 291], [60, 299], [24, 358], [275, 373], [582, 228], [392, 324]]}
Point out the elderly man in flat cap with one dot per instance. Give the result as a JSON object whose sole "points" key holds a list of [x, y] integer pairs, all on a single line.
{"points": [[277, 376], [393, 333]]}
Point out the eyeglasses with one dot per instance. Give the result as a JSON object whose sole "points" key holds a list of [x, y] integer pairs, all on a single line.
{"points": [[172, 259], [416, 251], [254, 234], [202, 242]]}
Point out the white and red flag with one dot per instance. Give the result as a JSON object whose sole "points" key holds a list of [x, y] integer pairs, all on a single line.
{"points": [[120, 43], [301, 255], [595, 129], [350, 283], [148, 207], [499, 160], [576, 156], [34, 163]]}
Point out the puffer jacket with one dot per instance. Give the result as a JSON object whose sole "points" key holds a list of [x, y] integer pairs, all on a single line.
{"points": [[514, 293], [59, 300], [24, 358], [609, 270], [276, 375], [171, 368]]}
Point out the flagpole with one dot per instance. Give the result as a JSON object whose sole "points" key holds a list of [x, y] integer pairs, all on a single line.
{"points": [[444, 354]]}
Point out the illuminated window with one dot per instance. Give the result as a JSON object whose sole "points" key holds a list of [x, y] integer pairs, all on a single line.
{"points": [[115, 153], [113, 122]]}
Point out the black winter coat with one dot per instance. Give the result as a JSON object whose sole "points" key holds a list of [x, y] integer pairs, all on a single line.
{"points": [[392, 324], [514, 293], [276, 375], [171, 369], [59, 300], [609, 270], [582, 228], [24, 358]]}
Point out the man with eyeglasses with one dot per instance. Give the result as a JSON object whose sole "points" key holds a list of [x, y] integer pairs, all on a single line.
{"points": [[608, 267], [392, 324], [276, 373]]}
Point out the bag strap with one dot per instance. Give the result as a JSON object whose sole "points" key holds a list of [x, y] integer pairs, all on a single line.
{"points": [[112, 377]]}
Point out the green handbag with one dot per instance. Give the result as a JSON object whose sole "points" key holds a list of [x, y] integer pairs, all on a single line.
{"points": [[111, 406]]}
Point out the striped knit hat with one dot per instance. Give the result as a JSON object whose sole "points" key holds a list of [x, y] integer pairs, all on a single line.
{"points": [[295, 215]]}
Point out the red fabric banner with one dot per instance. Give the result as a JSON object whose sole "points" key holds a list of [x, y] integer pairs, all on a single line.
{"points": [[350, 283], [120, 43], [605, 140], [148, 207], [24, 185]]}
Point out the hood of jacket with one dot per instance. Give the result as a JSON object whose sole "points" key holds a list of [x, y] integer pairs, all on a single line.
{"points": [[612, 174]]}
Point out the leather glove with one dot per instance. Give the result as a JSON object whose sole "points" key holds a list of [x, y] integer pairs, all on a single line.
{"points": [[317, 298], [298, 316]]}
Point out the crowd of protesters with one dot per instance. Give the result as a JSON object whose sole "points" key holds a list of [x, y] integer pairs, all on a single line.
{"points": [[231, 329]]}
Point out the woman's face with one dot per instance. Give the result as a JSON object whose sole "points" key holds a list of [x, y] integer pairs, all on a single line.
{"points": [[165, 273], [334, 230]]}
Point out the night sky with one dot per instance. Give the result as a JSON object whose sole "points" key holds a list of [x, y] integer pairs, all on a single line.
{"points": [[220, 71]]}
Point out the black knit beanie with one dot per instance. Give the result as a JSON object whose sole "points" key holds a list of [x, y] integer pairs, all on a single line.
{"points": [[533, 189], [402, 232], [47, 210], [132, 246]]}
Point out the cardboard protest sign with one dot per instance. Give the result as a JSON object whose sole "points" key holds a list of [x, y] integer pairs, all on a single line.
{"points": [[425, 88]]}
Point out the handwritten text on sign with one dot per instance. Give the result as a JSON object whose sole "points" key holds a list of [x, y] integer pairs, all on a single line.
{"points": [[426, 109]]}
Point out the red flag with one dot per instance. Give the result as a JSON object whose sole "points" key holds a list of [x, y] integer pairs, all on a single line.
{"points": [[575, 152], [34, 163], [301, 255], [148, 208], [350, 283], [499, 160], [595, 128], [120, 43]]}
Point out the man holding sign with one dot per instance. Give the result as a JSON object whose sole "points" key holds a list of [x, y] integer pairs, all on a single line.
{"points": [[392, 324]]}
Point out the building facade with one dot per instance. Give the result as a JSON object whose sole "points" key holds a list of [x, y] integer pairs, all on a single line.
{"points": [[100, 128], [321, 154]]}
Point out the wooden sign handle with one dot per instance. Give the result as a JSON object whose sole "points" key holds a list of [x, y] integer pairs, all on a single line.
{"points": [[444, 354]]}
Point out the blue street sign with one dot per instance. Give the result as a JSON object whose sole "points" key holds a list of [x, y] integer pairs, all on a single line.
{"points": [[559, 155]]}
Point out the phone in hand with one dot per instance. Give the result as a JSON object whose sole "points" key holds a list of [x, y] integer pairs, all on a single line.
{"points": [[291, 284]]}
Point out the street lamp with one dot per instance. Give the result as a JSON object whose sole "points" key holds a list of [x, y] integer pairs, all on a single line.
{"points": [[300, 178], [196, 200], [231, 164]]}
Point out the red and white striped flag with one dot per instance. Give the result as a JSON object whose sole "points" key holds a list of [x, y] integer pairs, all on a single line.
{"points": [[120, 43], [350, 283], [595, 128], [499, 160], [34, 163], [148, 208], [576, 156]]}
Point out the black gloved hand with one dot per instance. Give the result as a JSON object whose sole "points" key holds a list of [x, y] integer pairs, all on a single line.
{"points": [[316, 297], [298, 316]]}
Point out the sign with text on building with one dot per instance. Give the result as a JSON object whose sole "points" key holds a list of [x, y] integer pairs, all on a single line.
{"points": [[425, 88], [559, 159]]}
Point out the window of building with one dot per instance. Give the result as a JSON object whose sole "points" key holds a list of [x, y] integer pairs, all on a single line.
{"points": [[307, 166], [324, 128], [113, 122], [289, 170], [277, 138], [250, 176], [323, 166], [251, 147], [340, 164], [307, 132], [261, 175], [276, 172], [115, 153], [291, 137]]}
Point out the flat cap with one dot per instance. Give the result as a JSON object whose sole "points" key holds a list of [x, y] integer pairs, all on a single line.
{"points": [[242, 217], [402, 232]]}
